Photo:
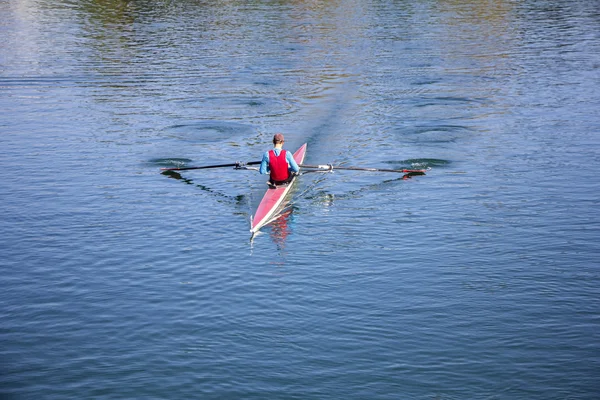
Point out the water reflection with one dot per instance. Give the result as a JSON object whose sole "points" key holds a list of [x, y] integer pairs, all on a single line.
{"points": [[411, 174], [238, 199], [280, 228]]}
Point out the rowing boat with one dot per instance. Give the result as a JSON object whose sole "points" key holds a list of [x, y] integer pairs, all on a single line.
{"points": [[273, 198]]}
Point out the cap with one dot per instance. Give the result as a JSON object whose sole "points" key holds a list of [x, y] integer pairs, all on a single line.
{"points": [[278, 138]]}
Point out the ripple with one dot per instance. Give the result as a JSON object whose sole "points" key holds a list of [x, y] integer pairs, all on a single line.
{"points": [[169, 162], [422, 162], [209, 131], [445, 101]]}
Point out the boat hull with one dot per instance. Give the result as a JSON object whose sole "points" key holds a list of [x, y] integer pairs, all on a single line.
{"points": [[266, 211]]}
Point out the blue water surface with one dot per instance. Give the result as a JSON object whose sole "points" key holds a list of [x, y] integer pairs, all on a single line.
{"points": [[477, 280]]}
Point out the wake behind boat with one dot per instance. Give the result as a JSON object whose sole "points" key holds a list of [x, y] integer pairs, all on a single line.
{"points": [[271, 201]]}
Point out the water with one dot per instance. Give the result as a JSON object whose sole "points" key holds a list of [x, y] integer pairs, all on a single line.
{"points": [[478, 280]]}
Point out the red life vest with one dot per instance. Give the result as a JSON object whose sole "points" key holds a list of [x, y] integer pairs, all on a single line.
{"points": [[278, 166]]}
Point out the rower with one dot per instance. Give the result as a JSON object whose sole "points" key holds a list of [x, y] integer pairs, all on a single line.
{"points": [[278, 163]]}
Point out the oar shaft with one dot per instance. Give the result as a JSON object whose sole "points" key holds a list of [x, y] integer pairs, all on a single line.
{"points": [[237, 164], [330, 167]]}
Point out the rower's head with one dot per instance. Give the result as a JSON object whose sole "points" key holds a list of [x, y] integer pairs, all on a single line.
{"points": [[278, 138]]}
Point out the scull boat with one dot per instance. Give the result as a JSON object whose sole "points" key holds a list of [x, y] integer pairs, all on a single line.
{"points": [[273, 198]]}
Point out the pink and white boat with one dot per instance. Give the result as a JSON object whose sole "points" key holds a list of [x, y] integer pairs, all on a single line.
{"points": [[271, 201]]}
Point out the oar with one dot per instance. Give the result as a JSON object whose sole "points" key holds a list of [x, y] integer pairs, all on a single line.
{"points": [[330, 167], [236, 165], [326, 167]]}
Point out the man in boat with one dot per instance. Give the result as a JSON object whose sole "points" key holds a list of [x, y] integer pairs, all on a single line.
{"points": [[279, 163]]}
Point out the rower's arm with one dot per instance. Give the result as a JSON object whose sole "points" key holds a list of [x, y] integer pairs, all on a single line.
{"points": [[264, 164], [289, 157]]}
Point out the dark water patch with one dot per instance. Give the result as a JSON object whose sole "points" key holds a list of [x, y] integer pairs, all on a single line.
{"points": [[439, 128], [230, 107], [436, 133], [256, 103], [37, 81], [237, 100], [266, 83], [209, 131], [425, 82], [445, 101]]}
